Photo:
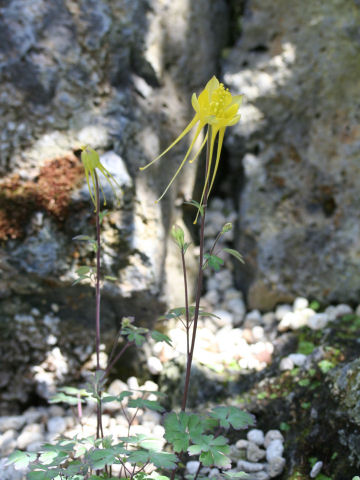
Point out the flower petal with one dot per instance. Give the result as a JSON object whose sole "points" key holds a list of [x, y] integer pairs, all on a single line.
{"points": [[212, 85], [200, 149], [182, 134], [195, 103], [219, 146], [213, 133], [238, 99], [233, 121], [197, 133]]}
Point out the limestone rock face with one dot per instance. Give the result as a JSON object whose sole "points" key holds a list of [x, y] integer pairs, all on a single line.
{"points": [[117, 76], [298, 139]]}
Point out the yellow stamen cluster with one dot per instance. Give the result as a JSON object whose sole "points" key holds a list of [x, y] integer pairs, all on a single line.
{"points": [[219, 100]]}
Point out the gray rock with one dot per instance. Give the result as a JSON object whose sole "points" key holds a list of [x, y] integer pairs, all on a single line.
{"points": [[291, 208], [129, 101]]}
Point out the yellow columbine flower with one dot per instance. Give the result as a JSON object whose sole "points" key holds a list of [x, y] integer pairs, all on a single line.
{"points": [[218, 109], [91, 161]]}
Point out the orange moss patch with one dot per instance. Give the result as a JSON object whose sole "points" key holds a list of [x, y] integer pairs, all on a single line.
{"points": [[49, 192]]}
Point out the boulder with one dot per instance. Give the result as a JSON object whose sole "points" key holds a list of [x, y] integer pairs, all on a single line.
{"points": [[298, 140]]}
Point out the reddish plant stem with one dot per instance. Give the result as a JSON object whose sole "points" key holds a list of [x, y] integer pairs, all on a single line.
{"points": [[112, 363], [99, 427], [199, 282], [186, 303]]}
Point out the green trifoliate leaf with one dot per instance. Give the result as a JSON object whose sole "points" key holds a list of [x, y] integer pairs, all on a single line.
{"points": [[232, 416], [154, 444], [213, 261], [235, 254], [160, 337], [212, 450], [53, 457], [21, 459], [159, 459], [135, 334], [98, 458], [41, 475], [142, 403], [180, 428]]}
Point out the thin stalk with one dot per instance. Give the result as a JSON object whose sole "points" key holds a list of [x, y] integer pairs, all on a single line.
{"points": [[99, 427], [112, 363], [186, 303], [199, 281]]}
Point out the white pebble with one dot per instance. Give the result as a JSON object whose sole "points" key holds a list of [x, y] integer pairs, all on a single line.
{"points": [[318, 321], [56, 425], [261, 476], [225, 318], [254, 453], [154, 365], [300, 303], [31, 433], [250, 467], [281, 310], [286, 364], [273, 435], [192, 466], [257, 332], [214, 472], [133, 383], [241, 444], [276, 466], [343, 309], [274, 449], [253, 317], [316, 469], [298, 359], [256, 436], [11, 422]]}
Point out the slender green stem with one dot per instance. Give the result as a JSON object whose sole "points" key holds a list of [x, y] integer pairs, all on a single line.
{"points": [[199, 282]]}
